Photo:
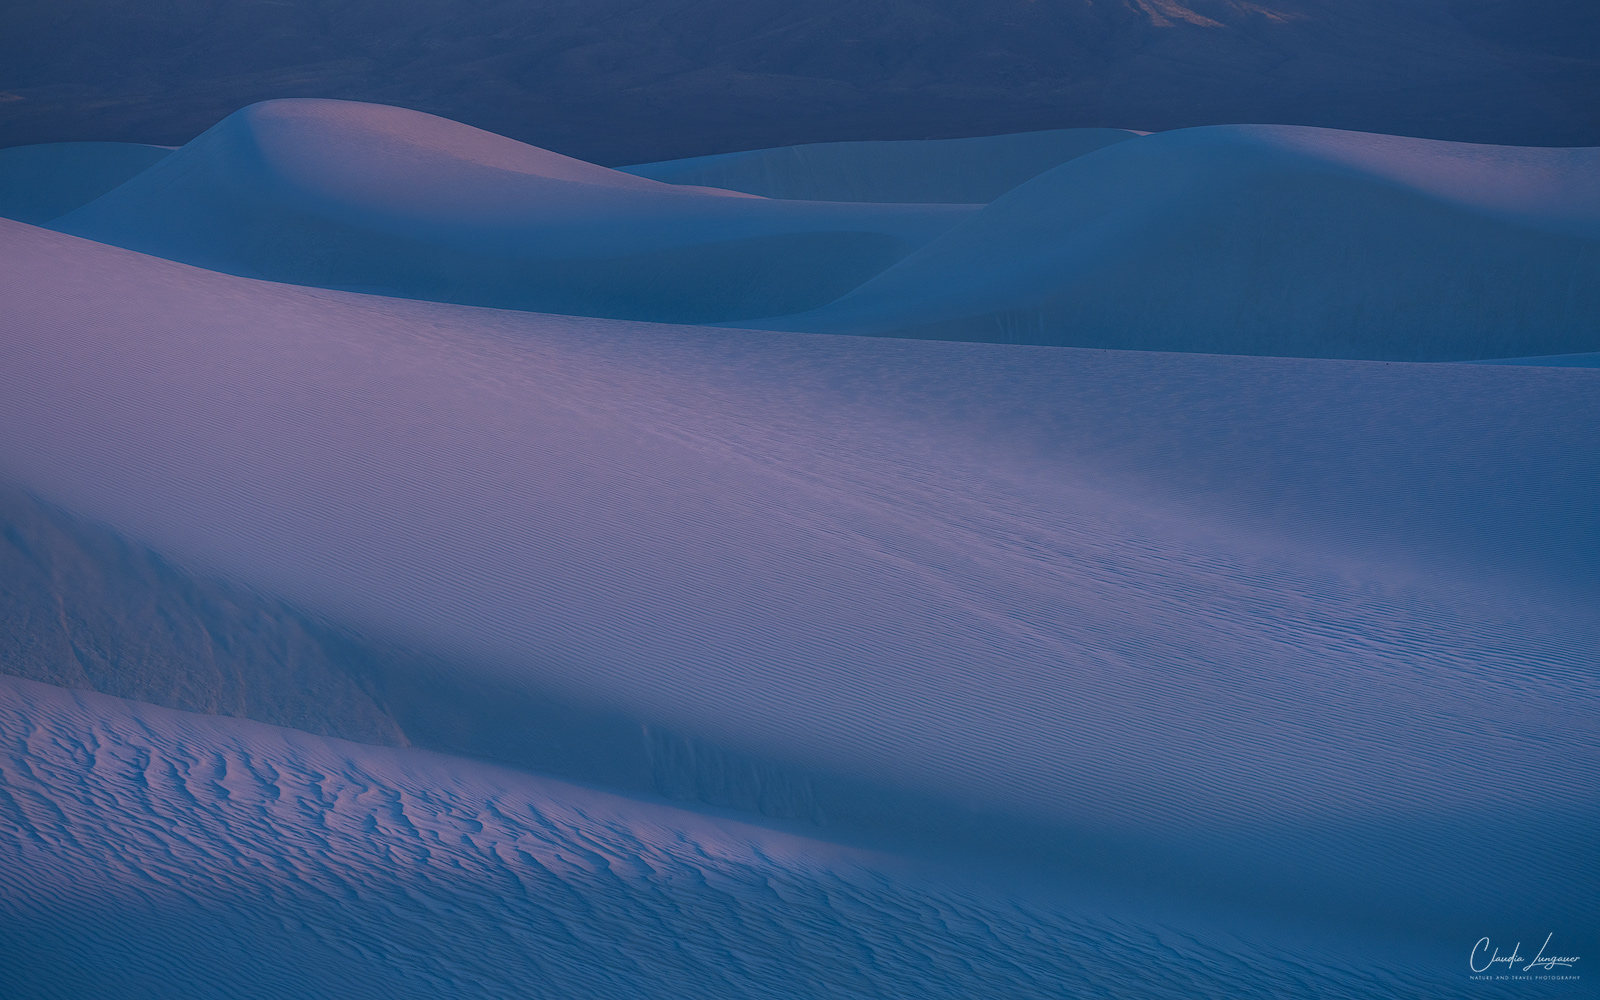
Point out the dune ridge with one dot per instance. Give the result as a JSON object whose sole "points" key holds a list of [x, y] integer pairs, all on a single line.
{"points": [[339, 194]]}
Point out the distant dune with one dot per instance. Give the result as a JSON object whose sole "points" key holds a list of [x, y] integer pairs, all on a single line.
{"points": [[349, 195], [1266, 240]]}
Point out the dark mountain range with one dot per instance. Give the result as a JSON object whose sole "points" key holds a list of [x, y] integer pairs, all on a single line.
{"points": [[620, 81]]}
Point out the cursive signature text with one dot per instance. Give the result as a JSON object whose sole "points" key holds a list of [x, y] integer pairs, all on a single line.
{"points": [[1481, 953]]}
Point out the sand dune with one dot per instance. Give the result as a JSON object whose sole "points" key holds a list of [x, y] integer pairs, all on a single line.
{"points": [[1266, 240], [363, 196], [1251, 638], [952, 171]]}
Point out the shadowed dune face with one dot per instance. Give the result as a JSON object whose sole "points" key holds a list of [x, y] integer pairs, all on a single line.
{"points": [[1265, 240], [84, 609], [40, 183], [628, 81]]}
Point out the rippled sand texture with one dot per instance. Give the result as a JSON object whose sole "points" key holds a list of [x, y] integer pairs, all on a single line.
{"points": [[148, 853]]}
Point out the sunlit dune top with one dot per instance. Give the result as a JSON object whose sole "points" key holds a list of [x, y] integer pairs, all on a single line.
{"points": [[338, 144]]}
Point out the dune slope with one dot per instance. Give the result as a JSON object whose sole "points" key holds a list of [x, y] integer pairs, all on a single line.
{"points": [[363, 196], [955, 171], [83, 608], [1266, 240], [1590, 360], [1237, 627]]}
